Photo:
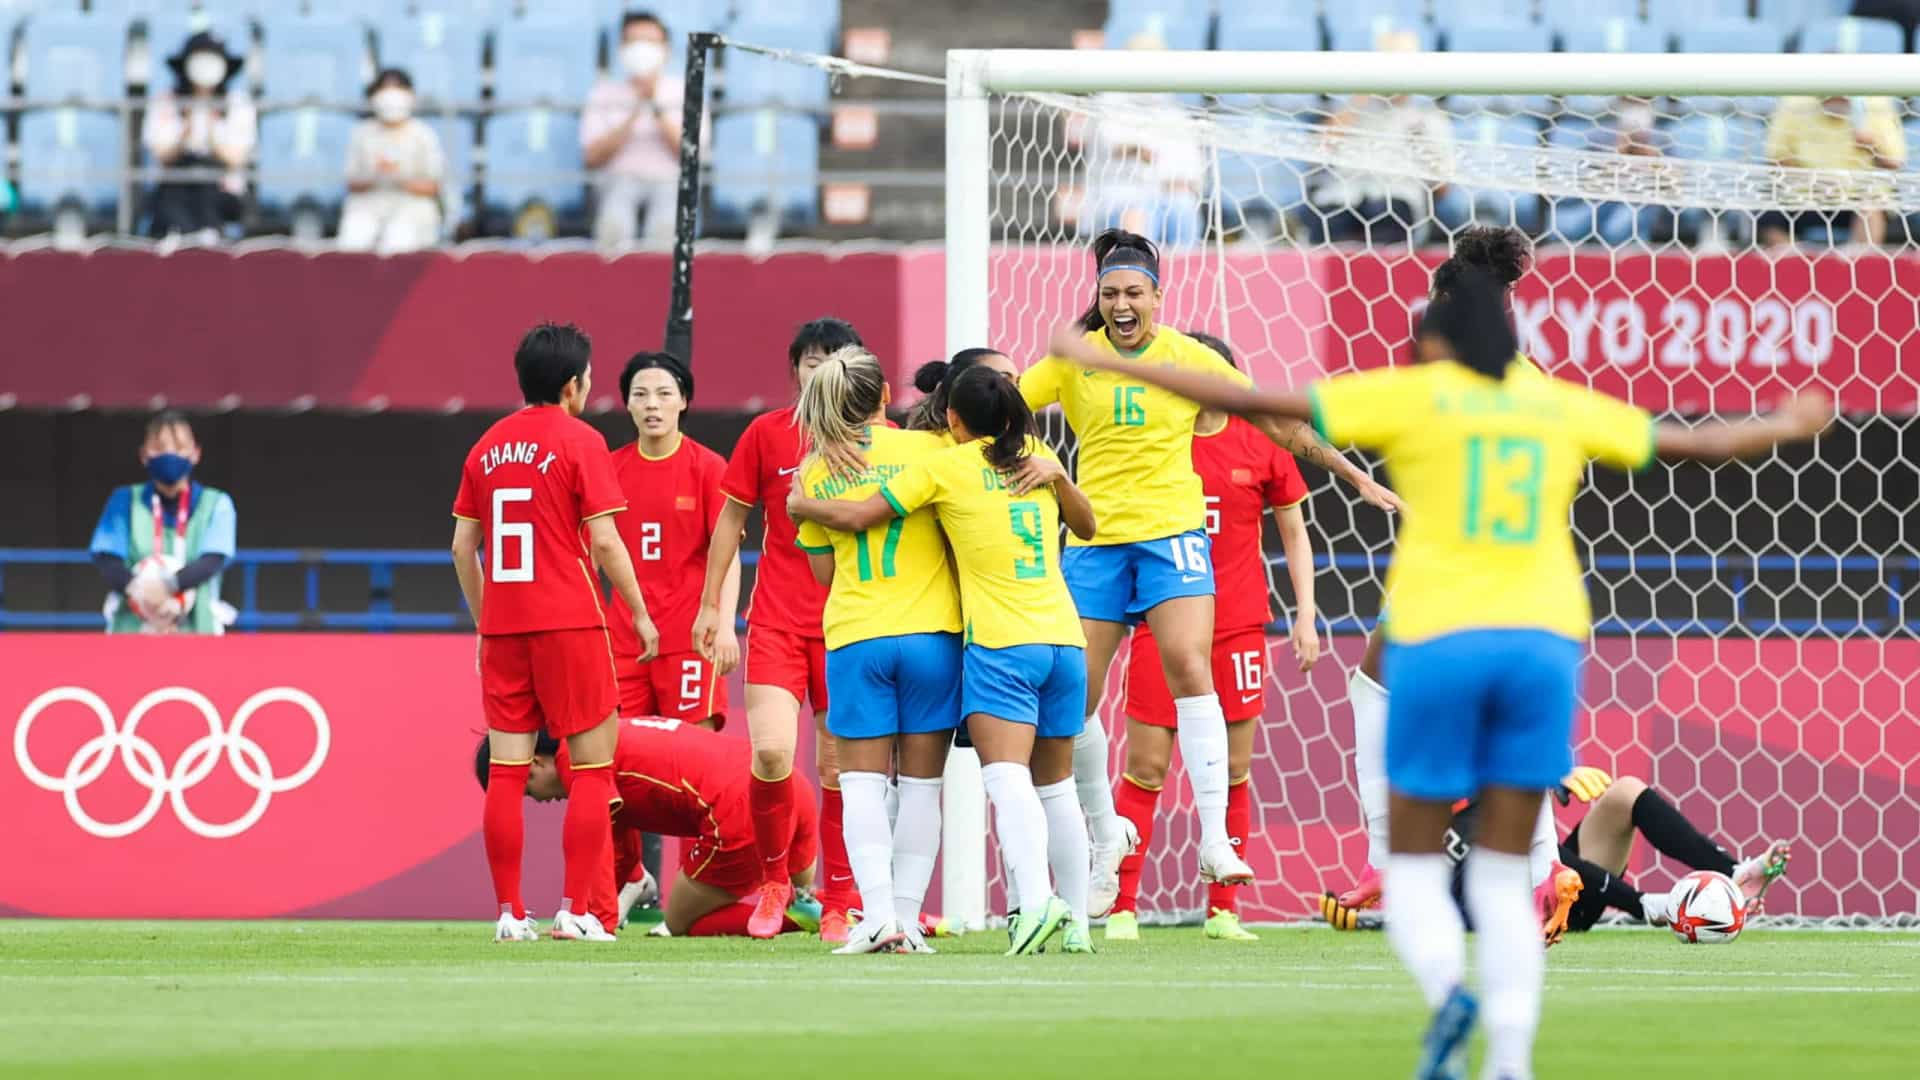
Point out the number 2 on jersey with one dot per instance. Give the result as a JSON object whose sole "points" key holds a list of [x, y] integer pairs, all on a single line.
{"points": [[1520, 462], [521, 532], [1025, 518], [887, 548]]}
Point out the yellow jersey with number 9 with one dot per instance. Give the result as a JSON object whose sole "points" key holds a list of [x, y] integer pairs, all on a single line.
{"points": [[1006, 547], [894, 578], [1136, 441], [1488, 471]]}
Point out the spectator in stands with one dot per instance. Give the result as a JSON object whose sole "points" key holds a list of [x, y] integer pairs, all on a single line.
{"points": [[160, 546], [1631, 129], [1145, 168], [630, 136], [1838, 132], [394, 169], [1393, 205], [207, 124]]}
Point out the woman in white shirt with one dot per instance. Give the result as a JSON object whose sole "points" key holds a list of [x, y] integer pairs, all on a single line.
{"points": [[201, 125], [394, 168]]}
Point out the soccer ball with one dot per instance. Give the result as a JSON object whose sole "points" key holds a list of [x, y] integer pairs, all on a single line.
{"points": [[1707, 909], [158, 565]]}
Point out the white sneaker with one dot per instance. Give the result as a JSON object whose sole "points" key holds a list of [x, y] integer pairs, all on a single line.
{"points": [[913, 941], [570, 927], [872, 936], [1657, 907], [637, 894], [659, 930], [1104, 889], [1222, 865], [512, 929]]}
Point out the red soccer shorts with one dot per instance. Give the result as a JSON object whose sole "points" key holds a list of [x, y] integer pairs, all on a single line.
{"points": [[724, 855], [1239, 677], [679, 685], [789, 661], [560, 680]]}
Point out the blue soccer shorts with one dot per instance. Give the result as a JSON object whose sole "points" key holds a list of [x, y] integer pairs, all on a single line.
{"points": [[1042, 685], [1120, 583], [903, 685]]}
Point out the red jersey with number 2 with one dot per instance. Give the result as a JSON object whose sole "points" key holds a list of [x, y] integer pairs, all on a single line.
{"points": [[764, 463], [532, 481], [1242, 473], [672, 504]]}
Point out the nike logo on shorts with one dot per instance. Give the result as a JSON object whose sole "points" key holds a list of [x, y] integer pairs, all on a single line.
{"points": [[1188, 579], [1248, 699]]}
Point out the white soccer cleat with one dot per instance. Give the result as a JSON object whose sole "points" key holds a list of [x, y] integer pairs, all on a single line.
{"points": [[872, 936], [1104, 889], [570, 927], [512, 929], [638, 894], [1657, 908], [913, 941], [659, 930], [1221, 865]]}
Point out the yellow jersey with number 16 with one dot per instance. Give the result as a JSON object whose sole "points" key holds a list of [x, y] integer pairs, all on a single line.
{"points": [[1488, 470], [1136, 441], [1006, 547]]}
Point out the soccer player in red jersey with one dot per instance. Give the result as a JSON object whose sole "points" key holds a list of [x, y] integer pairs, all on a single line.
{"points": [[672, 487], [678, 779], [533, 486], [786, 653], [1242, 473]]}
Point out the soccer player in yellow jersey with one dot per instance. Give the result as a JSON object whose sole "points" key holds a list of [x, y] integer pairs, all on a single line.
{"points": [[892, 625], [1489, 621], [1023, 683]]}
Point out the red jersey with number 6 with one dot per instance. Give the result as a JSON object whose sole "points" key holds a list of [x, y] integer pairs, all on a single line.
{"points": [[1242, 473], [672, 505], [532, 481], [764, 462]]}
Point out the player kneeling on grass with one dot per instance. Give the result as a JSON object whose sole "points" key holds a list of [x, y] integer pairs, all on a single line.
{"points": [[676, 779]]}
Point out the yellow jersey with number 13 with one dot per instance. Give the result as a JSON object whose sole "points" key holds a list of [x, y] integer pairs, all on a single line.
{"points": [[1488, 471], [1006, 547], [1136, 441]]}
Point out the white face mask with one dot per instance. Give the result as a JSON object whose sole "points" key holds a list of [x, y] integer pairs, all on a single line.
{"points": [[393, 104], [642, 58], [206, 70], [1636, 118]]}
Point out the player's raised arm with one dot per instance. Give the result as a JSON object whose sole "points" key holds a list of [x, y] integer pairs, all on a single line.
{"points": [[1209, 391], [1298, 438], [1800, 417]]}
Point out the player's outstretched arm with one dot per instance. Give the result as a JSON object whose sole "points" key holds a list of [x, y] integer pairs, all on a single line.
{"points": [[1210, 391], [1298, 438], [723, 558], [610, 555], [840, 515], [466, 564], [1799, 418]]}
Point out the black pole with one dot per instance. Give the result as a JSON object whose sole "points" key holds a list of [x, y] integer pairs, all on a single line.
{"points": [[679, 333]]}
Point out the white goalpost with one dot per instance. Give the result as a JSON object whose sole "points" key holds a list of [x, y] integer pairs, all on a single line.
{"points": [[1756, 651]]}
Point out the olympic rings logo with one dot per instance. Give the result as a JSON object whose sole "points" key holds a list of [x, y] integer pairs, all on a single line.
{"points": [[196, 763]]}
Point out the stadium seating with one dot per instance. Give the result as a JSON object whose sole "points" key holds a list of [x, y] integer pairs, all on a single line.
{"points": [[1451, 13], [487, 12], [1607, 35], [766, 160], [1567, 14], [1256, 186], [1709, 136], [1368, 10], [167, 31], [303, 158], [753, 79], [442, 54], [1676, 15], [1852, 36], [1180, 25], [1481, 204], [824, 14], [69, 154], [456, 142], [1504, 37], [1360, 35], [75, 57], [533, 155], [1252, 30], [538, 61], [319, 59], [1793, 14], [1729, 36]]}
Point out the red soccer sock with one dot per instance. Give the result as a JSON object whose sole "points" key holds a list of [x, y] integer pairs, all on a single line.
{"points": [[1135, 802], [586, 835], [839, 893], [504, 832], [772, 804], [728, 921], [1239, 822]]}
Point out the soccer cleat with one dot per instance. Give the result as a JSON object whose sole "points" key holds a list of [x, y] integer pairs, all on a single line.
{"points": [[638, 894], [1123, 926], [512, 929], [1224, 925], [804, 912], [660, 930], [1554, 899], [871, 936], [914, 942], [770, 911], [937, 926], [1657, 909], [1221, 865], [1034, 926], [1365, 892], [1443, 1050], [1076, 938], [833, 927], [570, 927], [1104, 888], [1753, 876], [1338, 915]]}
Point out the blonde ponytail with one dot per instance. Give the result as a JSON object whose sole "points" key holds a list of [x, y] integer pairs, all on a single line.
{"points": [[840, 400]]}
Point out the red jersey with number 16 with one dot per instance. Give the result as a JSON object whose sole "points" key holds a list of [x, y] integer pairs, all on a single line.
{"points": [[531, 482], [1242, 473], [672, 504], [764, 463]]}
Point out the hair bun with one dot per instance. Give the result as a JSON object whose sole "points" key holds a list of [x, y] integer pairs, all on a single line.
{"points": [[928, 377]]}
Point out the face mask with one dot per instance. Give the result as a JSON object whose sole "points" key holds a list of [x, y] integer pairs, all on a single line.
{"points": [[168, 468], [393, 104], [206, 70], [1636, 118], [642, 58]]}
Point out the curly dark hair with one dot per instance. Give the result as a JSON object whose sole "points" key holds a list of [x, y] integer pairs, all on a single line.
{"points": [[1503, 252]]}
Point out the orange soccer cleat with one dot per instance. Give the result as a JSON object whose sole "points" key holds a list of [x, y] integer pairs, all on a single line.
{"points": [[833, 927], [770, 913]]}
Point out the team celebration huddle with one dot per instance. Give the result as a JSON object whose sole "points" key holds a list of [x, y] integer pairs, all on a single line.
{"points": [[954, 581]]}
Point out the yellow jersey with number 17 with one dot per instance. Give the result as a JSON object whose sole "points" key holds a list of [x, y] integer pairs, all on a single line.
{"points": [[894, 578], [1006, 547], [1136, 441], [1488, 470]]}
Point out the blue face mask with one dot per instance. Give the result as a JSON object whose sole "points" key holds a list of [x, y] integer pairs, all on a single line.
{"points": [[168, 468]]}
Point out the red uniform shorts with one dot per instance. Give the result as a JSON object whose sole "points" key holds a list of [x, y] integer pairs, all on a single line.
{"points": [[560, 680], [789, 661], [724, 855], [682, 685], [1239, 677]]}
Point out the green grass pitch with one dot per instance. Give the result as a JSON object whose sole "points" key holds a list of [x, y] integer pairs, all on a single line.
{"points": [[313, 999]]}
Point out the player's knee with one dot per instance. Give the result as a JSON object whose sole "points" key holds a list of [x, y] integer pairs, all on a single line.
{"points": [[1624, 792], [772, 762], [1147, 769], [1189, 675]]}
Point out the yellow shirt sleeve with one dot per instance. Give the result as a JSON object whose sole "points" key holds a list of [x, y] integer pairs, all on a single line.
{"points": [[1040, 384], [1783, 130], [911, 489], [1366, 409], [1611, 431], [812, 536]]}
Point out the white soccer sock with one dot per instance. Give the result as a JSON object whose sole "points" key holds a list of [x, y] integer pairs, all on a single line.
{"points": [[1369, 701], [1512, 959], [1203, 746], [863, 798], [916, 844], [1090, 779], [1544, 849], [1424, 927], [893, 805], [1067, 844], [1022, 825]]}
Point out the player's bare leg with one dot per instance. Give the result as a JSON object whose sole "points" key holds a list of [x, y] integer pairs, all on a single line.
{"points": [[921, 764], [586, 836], [1183, 627], [689, 901], [1223, 906], [1137, 795], [503, 829], [1113, 835], [773, 721], [837, 891]]}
